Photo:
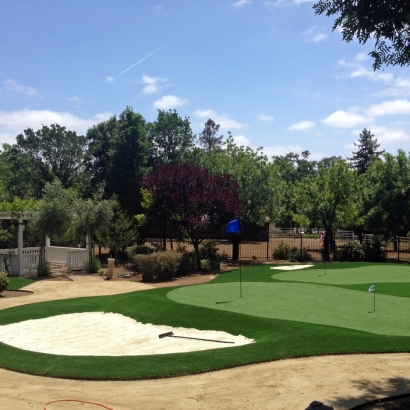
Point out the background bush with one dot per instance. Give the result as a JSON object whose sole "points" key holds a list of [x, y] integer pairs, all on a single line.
{"points": [[44, 270], [281, 251], [187, 265], [158, 266], [4, 281], [352, 251], [209, 251], [93, 265], [296, 255]]}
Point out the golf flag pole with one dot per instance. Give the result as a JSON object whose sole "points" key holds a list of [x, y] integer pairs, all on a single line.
{"points": [[234, 227], [373, 289]]}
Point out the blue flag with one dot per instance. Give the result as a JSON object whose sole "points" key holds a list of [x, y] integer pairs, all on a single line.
{"points": [[233, 226]]}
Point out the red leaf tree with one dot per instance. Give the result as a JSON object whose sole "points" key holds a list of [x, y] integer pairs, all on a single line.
{"points": [[192, 198]]}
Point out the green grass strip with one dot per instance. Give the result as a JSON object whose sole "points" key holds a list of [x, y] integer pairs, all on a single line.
{"points": [[342, 276], [309, 303], [18, 283]]}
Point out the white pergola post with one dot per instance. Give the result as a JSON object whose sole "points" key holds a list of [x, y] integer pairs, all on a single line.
{"points": [[20, 247]]}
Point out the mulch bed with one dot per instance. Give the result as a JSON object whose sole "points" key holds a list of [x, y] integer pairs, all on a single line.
{"points": [[14, 293]]}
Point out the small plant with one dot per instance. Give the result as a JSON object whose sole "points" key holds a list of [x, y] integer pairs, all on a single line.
{"points": [[206, 265], [93, 265], [281, 252], [158, 266], [209, 251], [299, 256], [44, 270], [102, 273], [4, 281]]}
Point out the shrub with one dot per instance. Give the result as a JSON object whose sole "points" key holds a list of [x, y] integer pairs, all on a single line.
{"points": [[352, 251], [4, 281], [158, 266], [187, 264], [373, 250], [295, 255], [209, 251], [133, 251], [44, 270], [93, 265], [206, 264], [281, 251]]}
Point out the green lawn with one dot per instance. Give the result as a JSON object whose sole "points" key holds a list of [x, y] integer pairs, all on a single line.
{"points": [[286, 319], [18, 283]]}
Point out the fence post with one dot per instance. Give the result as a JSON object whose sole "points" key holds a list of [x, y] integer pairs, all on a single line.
{"points": [[267, 248], [301, 242], [398, 248]]}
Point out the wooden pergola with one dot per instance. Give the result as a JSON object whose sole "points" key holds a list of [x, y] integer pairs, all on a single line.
{"points": [[20, 217]]}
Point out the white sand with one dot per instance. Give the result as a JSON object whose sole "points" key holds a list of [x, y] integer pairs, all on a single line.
{"points": [[108, 334], [292, 267]]}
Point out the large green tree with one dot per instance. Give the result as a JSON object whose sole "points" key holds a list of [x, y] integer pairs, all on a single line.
{"points": [[171, 138], [208, 139], [385, 21], [117, 157], [324, 198]]}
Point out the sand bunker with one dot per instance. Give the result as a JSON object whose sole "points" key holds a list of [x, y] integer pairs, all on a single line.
{"points": [[292, 267], [108, 334]]}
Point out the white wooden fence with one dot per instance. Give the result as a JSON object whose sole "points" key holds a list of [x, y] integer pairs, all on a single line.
{"points": [[73, 258]]}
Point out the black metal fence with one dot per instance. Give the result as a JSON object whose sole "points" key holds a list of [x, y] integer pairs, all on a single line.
{"points": [[261, 247]]}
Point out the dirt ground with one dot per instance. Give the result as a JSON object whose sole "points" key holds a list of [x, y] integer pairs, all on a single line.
{"points": [[339, 381]]}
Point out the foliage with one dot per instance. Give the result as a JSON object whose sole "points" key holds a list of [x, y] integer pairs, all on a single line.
{"points": [[208, 137], [170, 137], [386, 192], [92, 265], [373, 249], [43, 268], [209, 251], [40, 156], [133, 251], [117, 158], [192, 198], [4, 281], [281, 251], [260, 187], [187, 265], [387, 22], [158, 266], [206, 264], [324, 199], [352, 251], [296, 255], [367, 151]]}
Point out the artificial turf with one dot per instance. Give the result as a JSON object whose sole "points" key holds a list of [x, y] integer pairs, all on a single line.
{"points": [[18, 283], [275, 338]]}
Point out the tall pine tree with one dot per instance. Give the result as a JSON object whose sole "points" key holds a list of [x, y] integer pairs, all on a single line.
{"points": [[367, 151]]}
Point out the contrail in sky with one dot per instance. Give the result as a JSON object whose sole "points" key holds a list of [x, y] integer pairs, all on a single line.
{"points": [[142, 59]]}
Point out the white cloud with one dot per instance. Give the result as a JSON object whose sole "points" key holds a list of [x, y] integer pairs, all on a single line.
{"points": [[168, 102], [278, 150], [109, 79], [225, 121], [313, 35], [11, 85], [13, 123], [395, 107], [263, 117], [152, 84], [76, 100], [241, 3], [302, 126], [345, 119], [241, 140]]}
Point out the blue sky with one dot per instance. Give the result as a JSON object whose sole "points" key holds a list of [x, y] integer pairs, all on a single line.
{"points": [[271, 72]]}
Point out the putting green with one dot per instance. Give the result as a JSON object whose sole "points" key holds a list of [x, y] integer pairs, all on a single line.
{"points": [[301, 302], [349, 276]]}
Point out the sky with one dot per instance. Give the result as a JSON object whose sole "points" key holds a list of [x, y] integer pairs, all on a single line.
{"points": [[271, 72]]}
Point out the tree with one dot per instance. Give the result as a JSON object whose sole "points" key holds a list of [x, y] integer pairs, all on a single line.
{"points": [[117, 158], [54, 218], [208, 137], [193, 198], [387, 21], [323, 198], [387, 195], [367, 151], [171, 138], [41, 156]]}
